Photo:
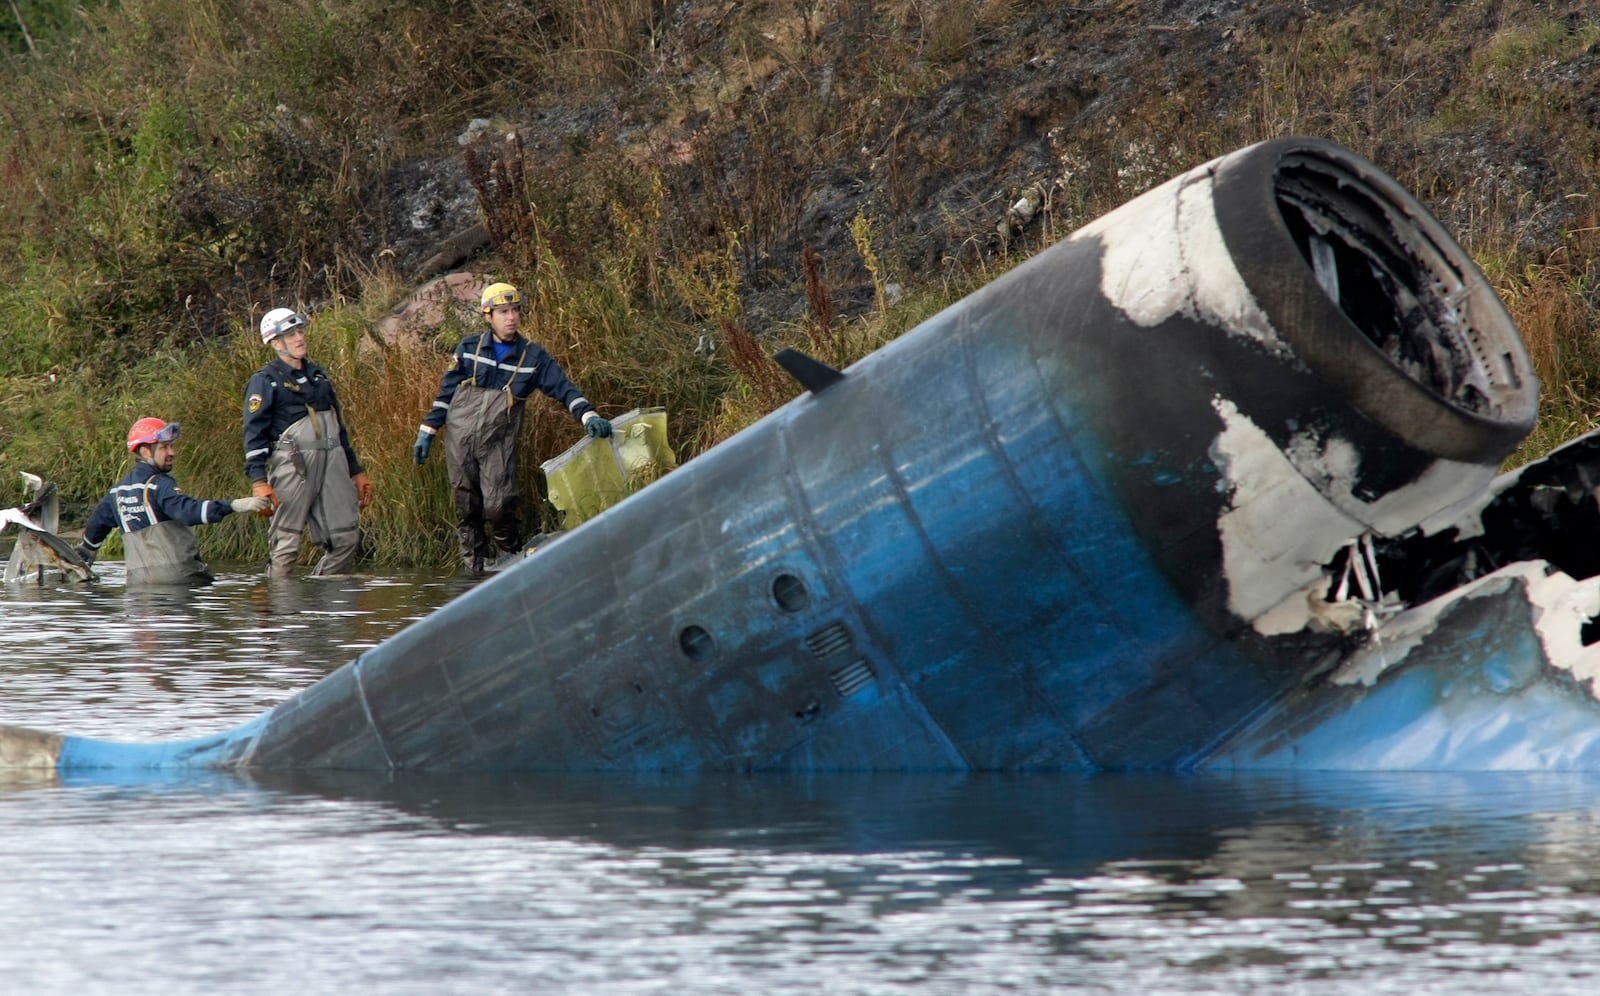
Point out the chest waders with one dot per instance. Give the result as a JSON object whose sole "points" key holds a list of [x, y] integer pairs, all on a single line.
{"points": [[308, 470], [164, 553], [480, 450]]}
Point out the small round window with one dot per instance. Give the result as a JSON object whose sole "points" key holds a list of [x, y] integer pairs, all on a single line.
{"points": [[696, 643], [790, 593]]}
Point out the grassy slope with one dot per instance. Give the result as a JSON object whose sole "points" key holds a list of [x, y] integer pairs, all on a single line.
{"points": [[172, 168]]}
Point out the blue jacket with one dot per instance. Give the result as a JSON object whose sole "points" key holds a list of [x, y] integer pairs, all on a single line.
{"points": [[527, 367], [143, 498], [278, 397]]}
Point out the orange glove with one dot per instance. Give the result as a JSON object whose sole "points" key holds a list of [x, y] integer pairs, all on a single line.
{"points": [[363, 489], [261, 489]]}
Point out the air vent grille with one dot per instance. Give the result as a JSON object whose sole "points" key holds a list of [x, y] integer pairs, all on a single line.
{"points": [[830, 640], [852, 677]]}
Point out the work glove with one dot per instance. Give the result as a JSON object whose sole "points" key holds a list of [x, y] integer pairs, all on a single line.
{"points": [[255, 504], [85, 553], [419, 449], [598, 427], [261, 489], [363, 489]]}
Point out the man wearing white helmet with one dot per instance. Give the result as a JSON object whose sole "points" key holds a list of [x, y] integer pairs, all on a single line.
{"points": [[480, 406], [297, 453], [155, 515]]}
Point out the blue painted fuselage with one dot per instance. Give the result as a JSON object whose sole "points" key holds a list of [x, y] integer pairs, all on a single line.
{"points": [[1087, 518]]}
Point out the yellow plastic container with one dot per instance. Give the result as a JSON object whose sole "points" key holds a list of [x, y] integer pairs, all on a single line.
{"points": [[597, 473]]}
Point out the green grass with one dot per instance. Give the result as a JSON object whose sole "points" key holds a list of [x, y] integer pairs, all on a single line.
{"points": [[169, 167]]}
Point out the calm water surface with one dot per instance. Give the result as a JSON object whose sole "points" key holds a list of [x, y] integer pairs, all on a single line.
{"points": [[835, 884]]}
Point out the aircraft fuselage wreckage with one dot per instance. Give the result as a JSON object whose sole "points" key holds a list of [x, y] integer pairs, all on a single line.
{"points": [[1210, 483]]}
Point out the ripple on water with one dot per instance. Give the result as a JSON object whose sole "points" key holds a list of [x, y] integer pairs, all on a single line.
{"points": [[919, 884], [106, 661]]}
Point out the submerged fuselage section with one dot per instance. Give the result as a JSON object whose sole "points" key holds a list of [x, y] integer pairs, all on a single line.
{"points": [[1087, 517]]}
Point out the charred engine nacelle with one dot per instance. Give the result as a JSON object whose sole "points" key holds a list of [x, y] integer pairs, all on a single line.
{"points": [[1297, 354]]}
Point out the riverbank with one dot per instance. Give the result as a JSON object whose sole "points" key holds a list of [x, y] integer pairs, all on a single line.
{"points": [[684, 187], [384, 390]]}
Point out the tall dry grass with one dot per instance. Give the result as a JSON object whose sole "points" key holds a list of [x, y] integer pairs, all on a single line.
{"points": [[177, 164]]}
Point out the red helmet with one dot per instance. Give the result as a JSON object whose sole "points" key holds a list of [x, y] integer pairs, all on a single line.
{"points": [[150, 431]]}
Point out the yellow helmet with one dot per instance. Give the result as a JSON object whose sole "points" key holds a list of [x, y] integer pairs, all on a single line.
{"points": [[500, 295]]}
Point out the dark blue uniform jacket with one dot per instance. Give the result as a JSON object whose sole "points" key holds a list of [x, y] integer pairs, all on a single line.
{"points": [[527, 367], [143, 498], [276, 398]]}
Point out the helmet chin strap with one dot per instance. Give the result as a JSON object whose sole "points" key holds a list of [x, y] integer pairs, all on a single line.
{"points": [[282, 349]]}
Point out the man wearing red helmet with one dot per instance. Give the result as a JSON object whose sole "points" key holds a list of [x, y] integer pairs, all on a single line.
{"points": [[155, 515], [298, 456]]}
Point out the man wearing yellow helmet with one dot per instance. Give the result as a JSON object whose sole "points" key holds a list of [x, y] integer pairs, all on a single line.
{"points": [[480, 402]]}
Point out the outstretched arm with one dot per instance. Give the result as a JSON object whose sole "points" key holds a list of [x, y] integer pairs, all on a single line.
{"points": [[552, 380], [174, 504]]}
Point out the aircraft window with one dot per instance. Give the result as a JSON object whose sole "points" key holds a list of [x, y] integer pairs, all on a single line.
{"points": [[790, 593], [696, 643]]}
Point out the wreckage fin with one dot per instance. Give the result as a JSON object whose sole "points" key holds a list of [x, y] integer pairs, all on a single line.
{"points": [[813, 374]]}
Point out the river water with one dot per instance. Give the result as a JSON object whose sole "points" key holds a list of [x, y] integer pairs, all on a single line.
{"points": [[714, 884]]}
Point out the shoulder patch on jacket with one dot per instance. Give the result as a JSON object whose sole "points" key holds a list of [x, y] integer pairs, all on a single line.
{"points": [[255, 403]]}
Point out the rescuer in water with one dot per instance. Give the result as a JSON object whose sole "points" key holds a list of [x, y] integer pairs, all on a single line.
{"points": [[491, 375], [297, 453], [155, 515]]}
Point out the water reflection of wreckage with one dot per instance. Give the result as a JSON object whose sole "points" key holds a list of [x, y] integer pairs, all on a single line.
{"points": [[1212, 483]]}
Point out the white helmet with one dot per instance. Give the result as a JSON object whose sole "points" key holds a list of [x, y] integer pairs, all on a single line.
{"points": [[280, 321]]}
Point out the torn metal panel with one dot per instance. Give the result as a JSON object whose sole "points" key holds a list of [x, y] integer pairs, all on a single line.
{"points": [[1495, 677], [39, 555]]}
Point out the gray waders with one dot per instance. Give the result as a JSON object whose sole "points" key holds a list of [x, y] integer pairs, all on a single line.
{"points": [[480, 450], [308, 470], [164, 553]]}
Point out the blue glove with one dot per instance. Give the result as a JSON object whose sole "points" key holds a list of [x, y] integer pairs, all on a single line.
{"points": [[420, 448], [85, 553], [598, 427]]}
